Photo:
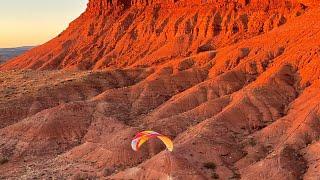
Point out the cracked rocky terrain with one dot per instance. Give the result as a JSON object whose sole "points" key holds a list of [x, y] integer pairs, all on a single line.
{"points": [[234, 84]]}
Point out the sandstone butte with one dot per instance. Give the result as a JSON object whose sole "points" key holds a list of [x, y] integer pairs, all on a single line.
{"points": [[234, 83]]}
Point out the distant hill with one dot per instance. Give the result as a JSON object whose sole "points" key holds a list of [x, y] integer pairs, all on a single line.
{"points": [[8, 53]]}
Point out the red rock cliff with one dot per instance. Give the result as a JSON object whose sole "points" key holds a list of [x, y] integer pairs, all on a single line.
{"points": [[122, 33]]}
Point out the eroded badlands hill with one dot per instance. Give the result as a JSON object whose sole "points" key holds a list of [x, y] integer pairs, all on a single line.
{"points": [[148, 33], [239, 98]]}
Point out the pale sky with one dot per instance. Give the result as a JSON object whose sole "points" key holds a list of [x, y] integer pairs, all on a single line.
{"points": [[34, 22]]}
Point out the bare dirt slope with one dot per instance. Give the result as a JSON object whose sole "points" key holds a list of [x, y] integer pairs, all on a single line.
{"points": [[246, 106]]}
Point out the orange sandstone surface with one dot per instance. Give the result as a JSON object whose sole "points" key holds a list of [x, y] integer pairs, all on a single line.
{"points": [[235, 84]]}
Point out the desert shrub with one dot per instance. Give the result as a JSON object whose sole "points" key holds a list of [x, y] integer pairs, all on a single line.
{"points": [[215, 176], [108, 171], [236, 176], [3, 160], [84, 176], [252, 142], [210, 165]]}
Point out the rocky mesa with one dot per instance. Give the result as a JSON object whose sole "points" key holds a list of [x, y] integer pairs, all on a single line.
{"points": [[124, 33]]}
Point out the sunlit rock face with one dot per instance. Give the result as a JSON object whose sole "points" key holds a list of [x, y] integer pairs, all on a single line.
{"points": [[122, 33]]}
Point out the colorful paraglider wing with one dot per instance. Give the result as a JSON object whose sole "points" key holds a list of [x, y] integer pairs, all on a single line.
{"points": [[134, 144], [144, 136], [147, 133], [137, 142], [167, 142], [142, 140]]}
